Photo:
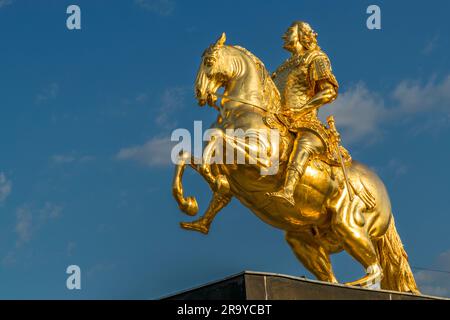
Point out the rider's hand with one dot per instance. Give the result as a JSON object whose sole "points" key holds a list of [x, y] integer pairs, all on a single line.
{"points": [[288, 113]]}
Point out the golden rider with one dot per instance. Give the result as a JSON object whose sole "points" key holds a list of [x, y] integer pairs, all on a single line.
{"points": [[306, 83]]}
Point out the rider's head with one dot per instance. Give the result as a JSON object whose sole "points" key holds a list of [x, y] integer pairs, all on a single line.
{"points": [[299, 36]]}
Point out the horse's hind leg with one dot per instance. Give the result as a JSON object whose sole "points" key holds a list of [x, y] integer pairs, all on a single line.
{"points": [[349, 224], [218, 202], [312, 255]]}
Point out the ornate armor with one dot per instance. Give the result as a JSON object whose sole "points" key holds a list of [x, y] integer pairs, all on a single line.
{"points": [[296, 79], [300, 80]]}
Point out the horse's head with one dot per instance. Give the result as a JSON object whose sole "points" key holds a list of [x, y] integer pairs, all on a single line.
{"points": [[214, 72]]}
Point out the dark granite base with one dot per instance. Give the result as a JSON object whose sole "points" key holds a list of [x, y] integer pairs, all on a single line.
{"points": [[250, 285]]}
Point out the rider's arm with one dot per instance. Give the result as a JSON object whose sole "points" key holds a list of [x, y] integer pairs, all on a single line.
{"points": [[326, 93], [324, 82]]}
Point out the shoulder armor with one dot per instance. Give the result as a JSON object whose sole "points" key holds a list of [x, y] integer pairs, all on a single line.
{"points": [[320, 69]]}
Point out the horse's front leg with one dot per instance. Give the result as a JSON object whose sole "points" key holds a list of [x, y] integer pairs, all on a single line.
{"points": [[218, 202], [205, 168], [187, 205]]}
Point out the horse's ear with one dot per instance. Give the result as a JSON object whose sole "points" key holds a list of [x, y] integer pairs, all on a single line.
{"points": [[221, 41]]}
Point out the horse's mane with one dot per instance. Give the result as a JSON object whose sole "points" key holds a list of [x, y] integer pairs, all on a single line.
{"points": [[271, 93]]}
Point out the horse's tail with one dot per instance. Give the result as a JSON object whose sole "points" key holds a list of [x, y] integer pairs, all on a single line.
{"points": [[397, 274]]}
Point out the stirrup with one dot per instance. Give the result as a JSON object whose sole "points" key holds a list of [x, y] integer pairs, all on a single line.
{"points": [[283, 195]]}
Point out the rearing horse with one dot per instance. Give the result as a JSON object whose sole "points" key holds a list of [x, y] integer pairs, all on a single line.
{"points": [[324, 220]]}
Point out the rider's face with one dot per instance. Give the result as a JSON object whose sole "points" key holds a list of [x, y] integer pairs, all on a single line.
{"points": [[290, 38]]}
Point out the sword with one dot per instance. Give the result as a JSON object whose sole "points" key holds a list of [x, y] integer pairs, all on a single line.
{"points": [[336, 140]]}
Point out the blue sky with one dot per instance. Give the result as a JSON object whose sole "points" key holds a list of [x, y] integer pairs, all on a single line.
{"points": [[85, 172]]}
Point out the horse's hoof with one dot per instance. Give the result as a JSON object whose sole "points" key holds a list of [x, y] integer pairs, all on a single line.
{"points": [[192, 226], [190, 206], [371, 280]]}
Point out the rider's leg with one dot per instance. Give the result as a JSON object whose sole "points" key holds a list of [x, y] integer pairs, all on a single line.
{"points": [[306, 145], [312, 255]]}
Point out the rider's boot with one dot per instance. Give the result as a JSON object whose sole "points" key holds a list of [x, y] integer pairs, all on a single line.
{"points": [[296, 167]]}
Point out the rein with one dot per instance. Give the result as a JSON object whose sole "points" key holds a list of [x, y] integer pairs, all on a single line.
{"points": [[235, 99]]}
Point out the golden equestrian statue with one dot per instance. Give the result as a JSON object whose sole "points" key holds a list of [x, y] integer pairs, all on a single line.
{"points": [[324, 200]]}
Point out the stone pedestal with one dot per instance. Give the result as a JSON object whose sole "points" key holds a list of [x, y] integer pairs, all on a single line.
{"points": [[250, 285]]}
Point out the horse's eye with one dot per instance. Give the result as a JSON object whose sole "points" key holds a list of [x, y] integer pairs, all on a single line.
{"points": [[209, 62]]}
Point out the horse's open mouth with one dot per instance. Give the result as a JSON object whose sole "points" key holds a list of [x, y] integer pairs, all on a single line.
{"points": [[201, 102], [211, 99]]}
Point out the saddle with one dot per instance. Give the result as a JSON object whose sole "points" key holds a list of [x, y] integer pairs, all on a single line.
{"points": [[329, 136]]}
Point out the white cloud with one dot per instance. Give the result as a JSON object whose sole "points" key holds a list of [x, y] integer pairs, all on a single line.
{"points": [[160, 7], [154, 153], [141, 98], [86, 158], [413, 97], [9, 260], [60, 159], [5, 187], [172, 101], [71, 246], [431, 45], [100, 268], [4, 3], [435, 291], [24, 223], [49, 211], [436, 283], [48, 93], [29, 220], [397, 168], [358, 113], [433, 124]]}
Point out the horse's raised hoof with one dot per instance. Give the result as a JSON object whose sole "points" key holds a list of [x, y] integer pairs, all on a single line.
{"points": [[195, 226], [288, 199], [189, 206], [371, 280]]}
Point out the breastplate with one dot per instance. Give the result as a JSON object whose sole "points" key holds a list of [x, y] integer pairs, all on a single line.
{"points": [[292, 81]]}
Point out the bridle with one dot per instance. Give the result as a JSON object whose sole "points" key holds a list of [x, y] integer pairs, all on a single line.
{"points": [[235, 99]]}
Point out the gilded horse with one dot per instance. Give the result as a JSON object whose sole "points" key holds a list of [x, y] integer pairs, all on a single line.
{"points": [[325, 219]]}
